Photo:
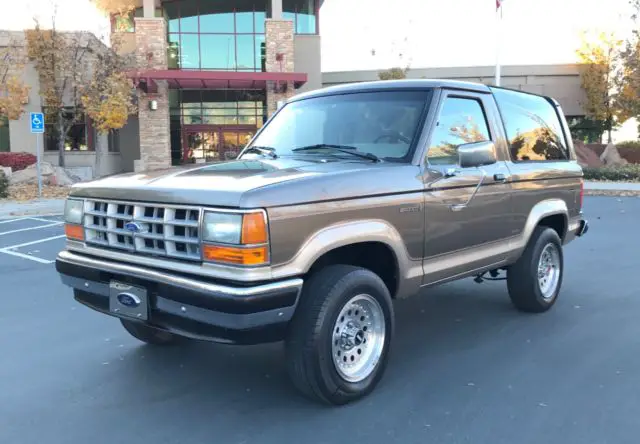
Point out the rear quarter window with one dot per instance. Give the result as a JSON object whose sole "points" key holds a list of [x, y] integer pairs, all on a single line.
{"points": [[533, 127]]}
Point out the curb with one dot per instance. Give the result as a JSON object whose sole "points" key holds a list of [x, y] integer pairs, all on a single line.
{"points": [[13, 209], [616, 193]]}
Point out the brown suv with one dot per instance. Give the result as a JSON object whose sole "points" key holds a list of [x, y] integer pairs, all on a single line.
{"points": [[348, 198]]}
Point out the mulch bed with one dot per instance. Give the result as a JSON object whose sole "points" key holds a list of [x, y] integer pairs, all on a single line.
{"points": [[25, 193]]}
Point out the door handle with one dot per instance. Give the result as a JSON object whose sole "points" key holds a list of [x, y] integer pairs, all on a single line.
{"points": [[500, 177]]}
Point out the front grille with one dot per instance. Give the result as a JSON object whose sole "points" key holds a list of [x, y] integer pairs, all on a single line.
{"points": [[162, 230]]}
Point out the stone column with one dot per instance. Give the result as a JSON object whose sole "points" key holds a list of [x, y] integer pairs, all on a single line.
{"points": [[276, 9], [280, 58], [151, 53]]}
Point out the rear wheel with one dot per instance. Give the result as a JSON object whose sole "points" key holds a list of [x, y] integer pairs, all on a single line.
{"points": [[338, 343], [534, 281], [149, 334]]}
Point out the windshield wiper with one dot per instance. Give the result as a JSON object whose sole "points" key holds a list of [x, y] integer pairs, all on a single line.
{"points": [[342, 148], [266, 150]]}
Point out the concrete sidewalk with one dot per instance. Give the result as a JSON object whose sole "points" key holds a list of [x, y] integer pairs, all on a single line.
{"points": [[38, 207], [612, 186]]}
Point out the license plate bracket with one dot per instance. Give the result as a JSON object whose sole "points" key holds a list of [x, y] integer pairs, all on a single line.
{"points": [[128, 300]]}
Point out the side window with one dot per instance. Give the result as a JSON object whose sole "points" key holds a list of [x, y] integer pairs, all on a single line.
{"points": [[532, 125], [461, 121]]}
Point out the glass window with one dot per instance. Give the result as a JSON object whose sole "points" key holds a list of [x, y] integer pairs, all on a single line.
{"points": [[382, 123], [218, 51], [303, 14], [76, 139], [532, 125], [246, 47], [188, 16], [5, 140], [216, 22], [215, 34], [461, 121], [171, 10], [189, 51], [114, 141], [244, 22], [260, 53]]}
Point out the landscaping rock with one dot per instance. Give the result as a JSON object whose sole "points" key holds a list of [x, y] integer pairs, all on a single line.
{"points": [[586, 156], [611, 157], [51, 175]]}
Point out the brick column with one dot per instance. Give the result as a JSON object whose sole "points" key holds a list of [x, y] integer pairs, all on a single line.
{"points": [[280, 58], [151, 53]]}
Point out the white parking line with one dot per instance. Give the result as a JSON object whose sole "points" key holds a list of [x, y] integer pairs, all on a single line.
{"points": [[31, 228], [13, 220], [9, 250], [26, 256], [41, 219]]}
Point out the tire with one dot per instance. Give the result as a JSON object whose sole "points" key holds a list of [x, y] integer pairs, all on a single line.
{"points": [[527, 289], [149, 334], [312, 341]]}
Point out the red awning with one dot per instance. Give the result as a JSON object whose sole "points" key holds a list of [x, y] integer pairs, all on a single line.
{"points": [[177, 79]]}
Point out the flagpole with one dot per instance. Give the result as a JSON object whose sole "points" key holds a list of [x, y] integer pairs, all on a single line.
{"points": [[498, 40]]}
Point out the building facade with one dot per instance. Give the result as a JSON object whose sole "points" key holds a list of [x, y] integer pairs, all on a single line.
{"points": [[208, 73]]}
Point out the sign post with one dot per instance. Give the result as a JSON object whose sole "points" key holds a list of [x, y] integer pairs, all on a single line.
{"points": [[37, 128]]}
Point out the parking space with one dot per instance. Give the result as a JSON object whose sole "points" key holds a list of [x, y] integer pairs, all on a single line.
{"points": [[35, 239], [465, 368]]}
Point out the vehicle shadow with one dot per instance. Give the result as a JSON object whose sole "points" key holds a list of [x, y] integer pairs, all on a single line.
{"points": [[453, 318]]}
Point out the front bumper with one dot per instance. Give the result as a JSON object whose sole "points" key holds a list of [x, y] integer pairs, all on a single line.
{"points": [[186, 305]]}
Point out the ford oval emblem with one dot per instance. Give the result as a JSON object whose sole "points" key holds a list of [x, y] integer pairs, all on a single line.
{"points": [[129, 300], [134, 227]]}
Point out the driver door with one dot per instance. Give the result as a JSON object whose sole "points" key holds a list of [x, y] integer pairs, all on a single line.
{"points": [[467, 210]]}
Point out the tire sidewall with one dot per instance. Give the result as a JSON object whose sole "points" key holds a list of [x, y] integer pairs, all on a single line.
{"points": [[546, 237], [354, 283]]}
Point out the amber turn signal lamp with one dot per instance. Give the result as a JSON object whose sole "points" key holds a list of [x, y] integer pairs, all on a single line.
{"points": [[254, 229], [236, 256], [75, 232]]}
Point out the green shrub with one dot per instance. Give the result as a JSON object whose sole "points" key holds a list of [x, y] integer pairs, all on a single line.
{"points": [[631, 144], [627, 173], [4, 185]]}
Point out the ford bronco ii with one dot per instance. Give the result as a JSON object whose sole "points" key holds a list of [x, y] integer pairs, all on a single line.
{"points": [[348, 198]]}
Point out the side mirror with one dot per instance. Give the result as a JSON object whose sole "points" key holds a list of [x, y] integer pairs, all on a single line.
{"points": [[476, 154]]}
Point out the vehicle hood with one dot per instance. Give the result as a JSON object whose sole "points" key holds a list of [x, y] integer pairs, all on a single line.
{"points": [[243, 183]]}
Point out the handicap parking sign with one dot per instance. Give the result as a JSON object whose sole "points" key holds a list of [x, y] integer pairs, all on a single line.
{"points": [[37, 122]]}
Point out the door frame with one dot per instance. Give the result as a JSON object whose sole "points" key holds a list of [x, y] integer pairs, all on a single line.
{"points": [[209, 128]]}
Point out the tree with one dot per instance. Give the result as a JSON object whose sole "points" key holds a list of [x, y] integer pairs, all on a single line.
{"points": [[393, 73], [630, 87], [62, 60], [110, 98], [14, 93], [602, 79], [80, 77]]}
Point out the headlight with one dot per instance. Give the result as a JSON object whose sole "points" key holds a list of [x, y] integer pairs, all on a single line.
{"points": [[245, 238], [225, 228], [73, 211]]}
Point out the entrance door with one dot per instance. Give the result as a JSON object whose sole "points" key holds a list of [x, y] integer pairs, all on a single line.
{"points": [[204, 143]]}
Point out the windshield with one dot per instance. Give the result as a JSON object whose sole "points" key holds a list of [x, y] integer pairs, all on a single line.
{"points": [[382, 123]]}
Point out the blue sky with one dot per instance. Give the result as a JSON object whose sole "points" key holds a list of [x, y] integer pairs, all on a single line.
{"points": [[426, 32]]}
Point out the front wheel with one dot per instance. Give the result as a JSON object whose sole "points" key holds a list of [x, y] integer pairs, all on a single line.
{"points": [[338, 343], [534, 281]]}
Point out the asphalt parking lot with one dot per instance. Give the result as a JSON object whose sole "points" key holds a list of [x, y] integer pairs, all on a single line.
{"points": [[465, 368]]}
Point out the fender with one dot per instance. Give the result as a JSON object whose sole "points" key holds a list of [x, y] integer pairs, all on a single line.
{"points": [[545, 208], [354, 232]]}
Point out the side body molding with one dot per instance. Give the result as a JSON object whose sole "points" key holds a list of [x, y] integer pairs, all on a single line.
{"points": [[354, 232]]}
